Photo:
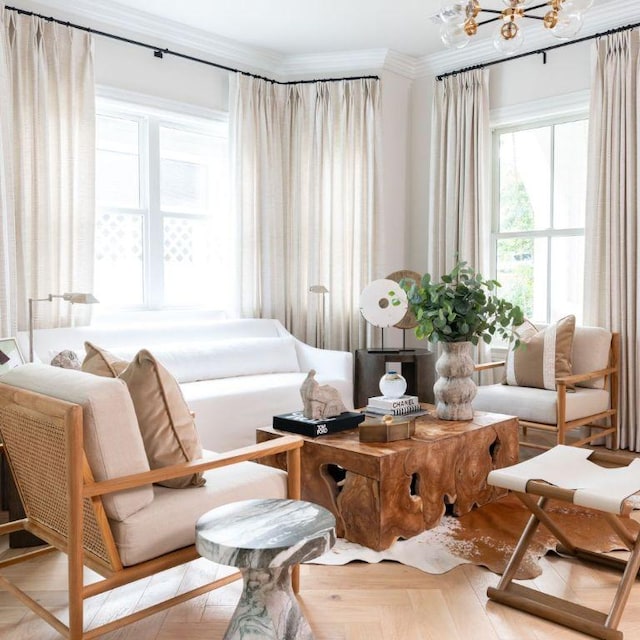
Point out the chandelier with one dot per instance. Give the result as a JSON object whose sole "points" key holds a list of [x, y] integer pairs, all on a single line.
{"points": [[459, 21]]}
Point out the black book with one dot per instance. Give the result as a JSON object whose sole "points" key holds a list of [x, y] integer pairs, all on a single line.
{"points": [[296, 423]]}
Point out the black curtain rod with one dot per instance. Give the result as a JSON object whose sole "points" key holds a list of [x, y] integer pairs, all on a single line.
{"points": [[159, 52], [542, 52]]}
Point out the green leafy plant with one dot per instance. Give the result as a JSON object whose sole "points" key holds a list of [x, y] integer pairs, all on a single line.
{"points": [[462, 307]]}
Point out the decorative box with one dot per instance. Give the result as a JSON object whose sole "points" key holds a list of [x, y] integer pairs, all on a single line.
{"points": [[387, 429]]}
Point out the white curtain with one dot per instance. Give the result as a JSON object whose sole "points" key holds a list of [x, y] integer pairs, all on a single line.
{"points": [[459, 217], [305, 164], [459, 211], [47, 157], [612, 232]]}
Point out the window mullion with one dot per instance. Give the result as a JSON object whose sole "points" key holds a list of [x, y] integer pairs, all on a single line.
{"points": [[155, 272]]}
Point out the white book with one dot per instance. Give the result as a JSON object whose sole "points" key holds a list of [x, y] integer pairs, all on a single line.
{"points": [[394, 403], [398, 411]]}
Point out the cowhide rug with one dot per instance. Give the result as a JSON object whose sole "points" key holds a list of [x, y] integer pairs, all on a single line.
{"points": [[486, 536]]}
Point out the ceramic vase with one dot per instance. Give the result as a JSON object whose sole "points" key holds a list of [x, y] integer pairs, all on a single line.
{"points": [[455, 389]]}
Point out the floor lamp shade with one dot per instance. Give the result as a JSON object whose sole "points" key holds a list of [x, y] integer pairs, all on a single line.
{"points": [[73, 298]]}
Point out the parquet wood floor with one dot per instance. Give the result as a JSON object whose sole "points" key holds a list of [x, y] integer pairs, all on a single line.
{"points": [[388, 601], [358, 601]]}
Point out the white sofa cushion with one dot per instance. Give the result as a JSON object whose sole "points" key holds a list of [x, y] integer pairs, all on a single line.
{"points": [[228, 410], [228, 358], [112, 440], [149, 533], [539, 405]]}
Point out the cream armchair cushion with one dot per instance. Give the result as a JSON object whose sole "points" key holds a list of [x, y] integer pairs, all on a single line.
{"points": [[592, 401]]}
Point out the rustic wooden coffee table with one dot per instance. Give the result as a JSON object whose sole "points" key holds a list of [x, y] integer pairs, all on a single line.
{"points": [[381, 492]]}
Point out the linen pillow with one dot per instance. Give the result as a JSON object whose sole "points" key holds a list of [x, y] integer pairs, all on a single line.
{"points": [[102, 363], [164, 419], [543, 355]]}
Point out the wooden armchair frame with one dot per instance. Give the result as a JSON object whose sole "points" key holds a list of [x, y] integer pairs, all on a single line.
{"points": [[563, 426], [81, 530]]}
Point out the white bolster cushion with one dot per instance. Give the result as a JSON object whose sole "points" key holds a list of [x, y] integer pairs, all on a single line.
{"points": [[229, 358]]}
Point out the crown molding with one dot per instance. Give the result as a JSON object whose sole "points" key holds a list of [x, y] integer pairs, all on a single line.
{"points": [[160, 31], [163, 33], [369, 60], [599, 18], [98, 14]]}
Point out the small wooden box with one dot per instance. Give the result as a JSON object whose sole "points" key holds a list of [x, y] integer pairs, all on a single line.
{"points": [[386, 429]]}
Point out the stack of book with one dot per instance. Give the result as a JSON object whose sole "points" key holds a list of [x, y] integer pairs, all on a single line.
{"points": [[402, 406]]}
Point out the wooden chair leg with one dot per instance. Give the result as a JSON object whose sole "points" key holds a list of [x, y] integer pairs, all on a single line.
{"points": [[584, 619]]}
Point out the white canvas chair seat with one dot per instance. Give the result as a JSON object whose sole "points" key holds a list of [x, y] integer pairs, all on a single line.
{"points": [[604, 482]]}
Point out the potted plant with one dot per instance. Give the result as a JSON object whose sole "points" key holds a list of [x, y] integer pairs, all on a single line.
{"points": [[459, 311]]}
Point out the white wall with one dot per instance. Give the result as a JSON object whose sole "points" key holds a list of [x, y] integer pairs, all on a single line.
{"points": [[132, 68]]}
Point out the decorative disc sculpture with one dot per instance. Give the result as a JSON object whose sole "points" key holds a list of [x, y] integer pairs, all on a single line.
{"points": [[383, 303]]}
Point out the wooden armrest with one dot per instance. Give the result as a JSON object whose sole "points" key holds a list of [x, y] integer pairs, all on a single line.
{"points": [[582, 377], [489, 365], [253, 452]]}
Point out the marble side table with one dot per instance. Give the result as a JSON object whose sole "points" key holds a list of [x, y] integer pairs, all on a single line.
{"points": [[265, 539]]}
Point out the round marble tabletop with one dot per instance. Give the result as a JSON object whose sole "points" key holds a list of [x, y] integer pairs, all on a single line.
{"points": [[265, 533]]}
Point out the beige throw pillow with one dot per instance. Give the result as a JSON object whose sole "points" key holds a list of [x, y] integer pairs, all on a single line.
{"points": [[164, 419], [543, 356], [102, 363]]}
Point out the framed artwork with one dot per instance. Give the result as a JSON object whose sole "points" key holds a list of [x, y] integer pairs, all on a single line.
{"points": [[10, 355]]}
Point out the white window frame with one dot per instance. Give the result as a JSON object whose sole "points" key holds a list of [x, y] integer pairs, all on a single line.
{"points": [[152, 113], [543, 113]]}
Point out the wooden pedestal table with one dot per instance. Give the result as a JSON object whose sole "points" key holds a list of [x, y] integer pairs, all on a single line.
{"points": [[265, 539], [381, 492]]}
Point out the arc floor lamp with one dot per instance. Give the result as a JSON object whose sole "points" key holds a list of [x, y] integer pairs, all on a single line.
{"points": [[73, 298]]}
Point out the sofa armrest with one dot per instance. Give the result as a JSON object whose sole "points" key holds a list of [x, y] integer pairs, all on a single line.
{"points": [[253, 452], [325, 361]]}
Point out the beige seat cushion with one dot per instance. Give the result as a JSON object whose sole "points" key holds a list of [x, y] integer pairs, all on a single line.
{"points": [[539, 405], [164, 419], [112, 440], [169, 522], [543, 355], [102, 363]]}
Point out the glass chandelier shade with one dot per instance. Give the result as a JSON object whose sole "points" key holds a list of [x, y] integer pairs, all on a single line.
{"points": [[459, 21]]}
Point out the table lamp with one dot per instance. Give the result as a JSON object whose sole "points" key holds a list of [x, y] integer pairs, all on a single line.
{"points": [[73, 298]]}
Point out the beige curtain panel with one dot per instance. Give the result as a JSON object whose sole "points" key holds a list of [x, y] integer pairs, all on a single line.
{"points": [[47, 201], [459, 217], [459, 213], [305, 163], [612, 232]]}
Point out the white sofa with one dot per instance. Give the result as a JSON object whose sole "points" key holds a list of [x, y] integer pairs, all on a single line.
{"points": [[234, 374]]}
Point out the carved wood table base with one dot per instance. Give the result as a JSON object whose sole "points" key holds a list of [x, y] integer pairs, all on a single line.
{"points": [[381, 492]]}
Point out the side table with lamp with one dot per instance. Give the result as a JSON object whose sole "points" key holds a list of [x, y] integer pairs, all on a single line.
{"points": [[383, 303]]}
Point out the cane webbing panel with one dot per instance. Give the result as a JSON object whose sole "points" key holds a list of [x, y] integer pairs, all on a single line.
{"points": [[36, 449]]}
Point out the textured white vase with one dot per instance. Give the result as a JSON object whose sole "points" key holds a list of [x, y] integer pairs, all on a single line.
{"points": [[455, 389]]}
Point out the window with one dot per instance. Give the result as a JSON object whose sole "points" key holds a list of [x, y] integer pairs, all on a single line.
{"points": [[164, 234], [538, 239]]}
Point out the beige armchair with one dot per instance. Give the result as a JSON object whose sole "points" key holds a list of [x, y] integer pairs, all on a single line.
{"points": [[76, 454], [586, 400]]}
